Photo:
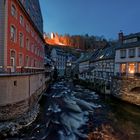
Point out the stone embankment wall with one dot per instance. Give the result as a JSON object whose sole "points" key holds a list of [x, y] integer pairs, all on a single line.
{"points": [[19, 93], [127, 89], [99, 85]]}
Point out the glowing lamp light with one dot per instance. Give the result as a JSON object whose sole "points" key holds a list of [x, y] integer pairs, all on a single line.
{"points": [[131, 71], [132, 68], [69, 64], [101, 56]]}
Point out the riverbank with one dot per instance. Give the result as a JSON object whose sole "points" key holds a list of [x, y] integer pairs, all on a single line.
{"points": [[19, 102], [119, 91], [12, 127], [60, 110], [98, 87]]}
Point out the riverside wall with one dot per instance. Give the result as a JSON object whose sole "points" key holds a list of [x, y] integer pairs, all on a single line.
{"points": [[99, 86], [19, 93], [126, 89]]}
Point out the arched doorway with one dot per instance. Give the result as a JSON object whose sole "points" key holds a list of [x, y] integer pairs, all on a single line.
{"points": [[13, 61]]}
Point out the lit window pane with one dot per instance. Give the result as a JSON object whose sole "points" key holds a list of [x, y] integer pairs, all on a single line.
{"points": [[131, 68], [123, 68]]}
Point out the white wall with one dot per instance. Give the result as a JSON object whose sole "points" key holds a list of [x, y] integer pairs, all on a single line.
{"points": [[24, 88], [127, 59]]}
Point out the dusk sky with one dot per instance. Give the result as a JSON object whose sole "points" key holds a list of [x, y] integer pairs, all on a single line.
{"points": [[95, 17]]}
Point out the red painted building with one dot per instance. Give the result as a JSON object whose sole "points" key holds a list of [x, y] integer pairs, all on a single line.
{"points": [[21, 36]]}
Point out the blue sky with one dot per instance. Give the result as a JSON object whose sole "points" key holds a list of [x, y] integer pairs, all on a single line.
{"points": [[95, 17]]}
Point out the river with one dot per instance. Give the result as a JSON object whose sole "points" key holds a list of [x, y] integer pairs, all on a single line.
{"points": [[72, 112]]}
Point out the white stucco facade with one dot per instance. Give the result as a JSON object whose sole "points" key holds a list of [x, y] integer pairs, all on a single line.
{"points": [[127, 61]]}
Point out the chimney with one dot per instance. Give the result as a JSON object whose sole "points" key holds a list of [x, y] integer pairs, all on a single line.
{"points": [[120, 36]]}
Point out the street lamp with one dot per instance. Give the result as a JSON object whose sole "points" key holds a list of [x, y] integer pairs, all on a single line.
{"points": [[68, 68], [68, 63]]}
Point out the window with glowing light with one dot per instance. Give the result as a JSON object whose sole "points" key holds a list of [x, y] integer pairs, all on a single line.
{"points": [[123, 68], [131, 68], [138, 67]]}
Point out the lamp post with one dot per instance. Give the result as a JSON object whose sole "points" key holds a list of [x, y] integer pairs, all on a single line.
{"points": [[68, 68]]}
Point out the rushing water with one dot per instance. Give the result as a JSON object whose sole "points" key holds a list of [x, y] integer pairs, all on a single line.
{"points": [[75, 113]]}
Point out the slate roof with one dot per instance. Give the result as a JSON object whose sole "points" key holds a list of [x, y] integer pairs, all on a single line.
{"points": [[32, 7], [79, 59], [95, 54], [131, 36], [131, 44], [87, 56], [105, 53], [60, 51]]}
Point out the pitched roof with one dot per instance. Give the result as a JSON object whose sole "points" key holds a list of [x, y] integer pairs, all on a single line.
{"points": [[32, 7], [131, 36], [129, 45], [104, 53], [87, 56], [60, 51]]}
